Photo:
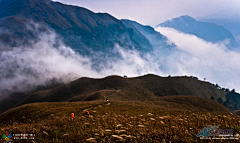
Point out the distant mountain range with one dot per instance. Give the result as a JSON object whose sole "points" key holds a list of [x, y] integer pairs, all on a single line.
{"points": [[230, 24], [155, 38], [81, 29], [207, 31], [86, 31], [229, 21]]}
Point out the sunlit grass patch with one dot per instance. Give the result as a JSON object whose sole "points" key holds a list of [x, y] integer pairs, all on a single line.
{"points": [[120, 122]]}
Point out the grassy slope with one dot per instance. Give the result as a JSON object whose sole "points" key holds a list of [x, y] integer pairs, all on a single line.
{"points": [[137, 88], [155, 104], [172, 119]]}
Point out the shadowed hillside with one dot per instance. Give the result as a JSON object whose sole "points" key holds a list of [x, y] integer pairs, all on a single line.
{"points": [[138, 88]]}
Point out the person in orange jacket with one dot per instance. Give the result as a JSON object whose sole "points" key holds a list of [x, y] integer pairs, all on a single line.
{"points": [[87, 114]]}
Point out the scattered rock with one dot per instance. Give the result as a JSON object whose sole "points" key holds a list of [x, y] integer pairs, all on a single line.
{"points": [[132, 125], [118, 137], [123, 135], [161, 118], [162, 122], [129, 136], [96, 134], [119, 131], [44, 132], [152, 119], [85, 110], [91, 140], [107, 130], [149, 114], [142, 126], [119, 125], [165, 117]]}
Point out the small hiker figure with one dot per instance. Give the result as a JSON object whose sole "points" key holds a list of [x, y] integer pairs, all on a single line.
{"points": [[87, 114], [107, 101]]}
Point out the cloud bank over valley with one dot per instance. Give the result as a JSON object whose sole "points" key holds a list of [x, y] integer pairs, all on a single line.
{"points": [[24, 67]]}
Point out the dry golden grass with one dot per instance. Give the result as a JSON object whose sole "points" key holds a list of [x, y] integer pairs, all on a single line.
{"points": [[118, 122]]}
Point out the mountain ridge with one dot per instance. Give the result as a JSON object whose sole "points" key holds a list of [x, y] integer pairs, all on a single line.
{"points": [[208, 31], [136, 88], [78, 26]]}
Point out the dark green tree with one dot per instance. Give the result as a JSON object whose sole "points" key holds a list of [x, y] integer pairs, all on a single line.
{"points": [[220, 100], [217, 86], [195, 77], [227, 90], [233, 91], [212, 98]]}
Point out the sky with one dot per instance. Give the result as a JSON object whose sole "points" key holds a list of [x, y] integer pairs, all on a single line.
{"points": [[154, 12]]}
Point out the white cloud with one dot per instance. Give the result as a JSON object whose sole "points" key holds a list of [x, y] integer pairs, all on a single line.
{"points": [[27, 67], [131, 64], [212, 61]]}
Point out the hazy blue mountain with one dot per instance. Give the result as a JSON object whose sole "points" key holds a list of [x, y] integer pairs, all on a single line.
{"points": [[156, 38], [80, 28], [232, 25], [230, 21], [208, 31]]}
